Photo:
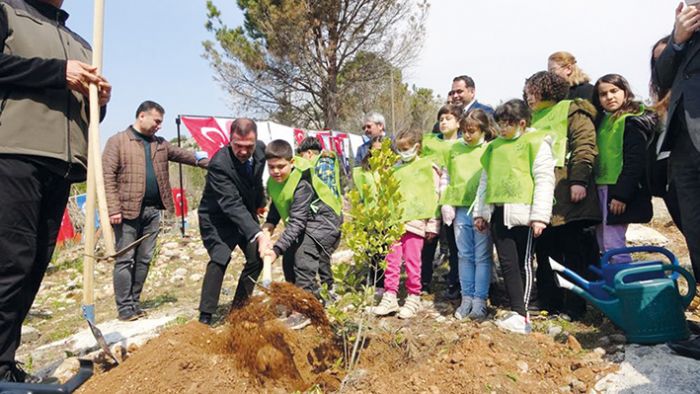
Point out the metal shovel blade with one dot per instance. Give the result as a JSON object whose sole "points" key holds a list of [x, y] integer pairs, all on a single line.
{"points": [[101, 340]]}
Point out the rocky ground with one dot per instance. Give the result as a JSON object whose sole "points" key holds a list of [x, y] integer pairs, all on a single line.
{"points": [[432, 353]]}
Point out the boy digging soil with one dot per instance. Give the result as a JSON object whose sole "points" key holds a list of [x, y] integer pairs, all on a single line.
{"points": [[311, 214]]}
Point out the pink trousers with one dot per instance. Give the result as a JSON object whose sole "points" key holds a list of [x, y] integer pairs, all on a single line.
{"points": [[409, 250]]}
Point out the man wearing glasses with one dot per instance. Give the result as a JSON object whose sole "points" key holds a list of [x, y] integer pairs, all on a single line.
{"points": [[373, 126]]}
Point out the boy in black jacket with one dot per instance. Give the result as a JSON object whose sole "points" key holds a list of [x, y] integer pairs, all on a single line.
{"points": [[311, 215]]}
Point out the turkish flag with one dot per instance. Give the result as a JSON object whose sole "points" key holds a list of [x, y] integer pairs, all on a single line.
{"points": [[66, 232], [180, 201], [207, 132], [299, 135]]}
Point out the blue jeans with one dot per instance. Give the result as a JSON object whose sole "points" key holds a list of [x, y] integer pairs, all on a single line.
{"points": [[475, 256]]}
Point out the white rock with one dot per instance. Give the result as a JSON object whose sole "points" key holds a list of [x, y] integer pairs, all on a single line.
{"points": [[554, 331], [638, 234], [522, 366], [167, 253], [195, 277], [200, 252], [184, 258], [180, 272], [440, 319], [170, 245], [177, 279], [30, 334], [68, 368]]}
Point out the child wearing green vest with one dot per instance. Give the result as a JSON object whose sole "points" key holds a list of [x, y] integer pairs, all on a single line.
{"points": [[436, 147], [515, 196], [326, 167], [625, 128], [475, 247], [418, 180], [362, 174], [568, 239], [310, 211]]}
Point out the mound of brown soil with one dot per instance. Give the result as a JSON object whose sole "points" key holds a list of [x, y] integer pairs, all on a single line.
{"points": [[484, 359], [253, 352]]}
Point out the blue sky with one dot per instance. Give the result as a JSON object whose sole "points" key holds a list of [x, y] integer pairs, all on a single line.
{"points": [[152, 51], [153, 48]]}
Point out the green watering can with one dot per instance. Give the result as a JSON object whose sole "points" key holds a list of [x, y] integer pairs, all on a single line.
{"points": [[648, 311]]}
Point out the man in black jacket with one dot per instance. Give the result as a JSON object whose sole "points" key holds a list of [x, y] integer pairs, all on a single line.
{"points": [[228, 215], [678, 68], [44, 79]]}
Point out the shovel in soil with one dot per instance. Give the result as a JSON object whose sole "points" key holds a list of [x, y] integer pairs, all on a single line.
{"points": [[295, 320]]}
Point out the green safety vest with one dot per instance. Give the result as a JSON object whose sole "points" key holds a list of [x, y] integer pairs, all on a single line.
{"points": [[416, 184], [436, 149], [508, 164], [464, 167], [610, 148], [555, 121], [364, 180], [324, 192], [282, 194]]}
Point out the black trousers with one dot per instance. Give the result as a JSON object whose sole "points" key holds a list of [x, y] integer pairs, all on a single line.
{"points": [[214, 278], [511, 245], [571, 246], [302, 262], [32, 202], [685, 175], [428, 255]]}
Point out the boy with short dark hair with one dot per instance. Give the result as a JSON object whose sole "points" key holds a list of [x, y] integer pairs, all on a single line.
{"points": [[311, 212]]}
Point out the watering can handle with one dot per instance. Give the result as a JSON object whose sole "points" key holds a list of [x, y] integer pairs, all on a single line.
{"points": [[637, 249], [687, 299]]}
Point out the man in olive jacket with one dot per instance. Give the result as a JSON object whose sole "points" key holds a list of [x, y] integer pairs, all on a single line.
{"points": [[44, 78], [135, 165]]}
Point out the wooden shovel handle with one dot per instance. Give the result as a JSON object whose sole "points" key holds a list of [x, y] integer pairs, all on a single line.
{"points": [[267, 270]]}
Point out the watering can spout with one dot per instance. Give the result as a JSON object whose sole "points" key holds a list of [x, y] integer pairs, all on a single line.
{"points": [[611, 308]]}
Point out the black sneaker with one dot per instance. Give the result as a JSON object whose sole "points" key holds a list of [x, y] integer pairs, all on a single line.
{"points": [[129, 315], [140, 312], [689, 348], [16, 374], [205, 318]]}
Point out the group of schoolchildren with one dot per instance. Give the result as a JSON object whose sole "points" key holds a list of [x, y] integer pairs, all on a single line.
{"points": [[550, 176]]}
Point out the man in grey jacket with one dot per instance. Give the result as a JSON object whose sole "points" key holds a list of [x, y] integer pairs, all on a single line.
{"points": [[44, 79]]}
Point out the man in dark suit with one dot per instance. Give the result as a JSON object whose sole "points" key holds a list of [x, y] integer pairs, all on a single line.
{"points": [[228, 215], [678, 68], [463, 93]]}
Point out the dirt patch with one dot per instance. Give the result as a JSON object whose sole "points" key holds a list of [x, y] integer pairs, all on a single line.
{"points": [[482, 359], [252, 352]]}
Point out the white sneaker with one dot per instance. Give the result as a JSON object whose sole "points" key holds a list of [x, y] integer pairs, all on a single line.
{"points": [[388, 305], [514, 322], [410, 307]]}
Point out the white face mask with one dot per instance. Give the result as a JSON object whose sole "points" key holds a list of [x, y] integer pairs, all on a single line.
{"points": [[408, 155]]}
